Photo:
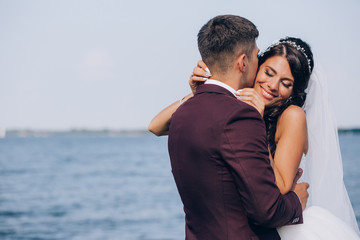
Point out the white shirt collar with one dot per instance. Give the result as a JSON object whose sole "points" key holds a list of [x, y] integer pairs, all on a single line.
{"points": [[221, 84]]}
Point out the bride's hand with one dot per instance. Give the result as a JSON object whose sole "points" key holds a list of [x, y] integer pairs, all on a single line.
{"points": [[200, 74], [300, 189], [251, 97]]}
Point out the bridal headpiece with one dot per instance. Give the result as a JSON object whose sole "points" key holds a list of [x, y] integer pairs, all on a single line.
{"points": [[293, 44]]}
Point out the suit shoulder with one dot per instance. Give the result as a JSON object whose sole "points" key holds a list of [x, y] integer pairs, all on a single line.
{"points": [[245, 115], [246, 110]]}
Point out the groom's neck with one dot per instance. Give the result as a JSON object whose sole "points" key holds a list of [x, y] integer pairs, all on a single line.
{"points": [[231, 80]]}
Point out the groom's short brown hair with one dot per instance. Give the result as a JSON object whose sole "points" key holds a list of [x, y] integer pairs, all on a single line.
{"points": [[224, 38]]}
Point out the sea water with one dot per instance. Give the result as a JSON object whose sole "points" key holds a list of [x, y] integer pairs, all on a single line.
{"points": [[100, 187]]}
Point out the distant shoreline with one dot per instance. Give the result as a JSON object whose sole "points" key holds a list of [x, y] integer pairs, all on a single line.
{"points": [[88, 132], [349, 130], [108, 132]]}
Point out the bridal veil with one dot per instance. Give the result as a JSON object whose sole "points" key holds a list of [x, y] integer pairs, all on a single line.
{"points": [[323, 163]]}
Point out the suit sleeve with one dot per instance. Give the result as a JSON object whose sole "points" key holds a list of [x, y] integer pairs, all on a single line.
{"points": [[244, 149]]}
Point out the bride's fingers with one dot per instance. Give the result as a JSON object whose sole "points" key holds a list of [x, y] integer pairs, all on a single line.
{"points": [[298, 175], [253, 101], [245, 98], [195, 83], [201, 64], [199, 72], [248, 99], [250, 92], [197, 79], [245, 91]]}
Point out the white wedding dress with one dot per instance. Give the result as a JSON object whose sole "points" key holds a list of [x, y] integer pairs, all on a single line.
{"points": [[319, 224], [329, 213]]}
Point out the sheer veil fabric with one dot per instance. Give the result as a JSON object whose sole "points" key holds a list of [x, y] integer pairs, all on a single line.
{"points": [[323, 163], [329, 214]]}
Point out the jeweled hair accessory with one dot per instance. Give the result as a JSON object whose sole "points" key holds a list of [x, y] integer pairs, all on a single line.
{"points": [[293, 44]]}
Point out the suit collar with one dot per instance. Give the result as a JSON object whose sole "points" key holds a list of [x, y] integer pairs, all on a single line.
{"points": [[212, 88], [221, 84]]}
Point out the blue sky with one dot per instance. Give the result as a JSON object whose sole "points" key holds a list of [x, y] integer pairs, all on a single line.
{"points": [[115, 64]]}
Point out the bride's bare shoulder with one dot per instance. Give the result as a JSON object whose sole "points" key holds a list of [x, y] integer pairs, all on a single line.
{"points": [[292, 125], [293, 115], [293, 118]]}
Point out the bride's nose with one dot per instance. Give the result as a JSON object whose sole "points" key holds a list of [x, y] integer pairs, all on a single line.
{"points": [[273, 84]]}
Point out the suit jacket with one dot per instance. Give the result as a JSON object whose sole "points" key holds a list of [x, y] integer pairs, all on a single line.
{"points": [[220, 163]]}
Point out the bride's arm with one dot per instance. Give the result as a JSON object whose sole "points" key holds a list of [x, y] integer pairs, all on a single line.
{"points": [[292, 143], [159, 125]]}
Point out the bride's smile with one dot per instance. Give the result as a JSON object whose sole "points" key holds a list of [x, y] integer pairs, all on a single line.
{"points": [[266, 94]]}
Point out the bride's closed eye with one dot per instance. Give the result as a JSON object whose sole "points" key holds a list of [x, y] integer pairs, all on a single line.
{"points": [[287, 85], [268, 73]]}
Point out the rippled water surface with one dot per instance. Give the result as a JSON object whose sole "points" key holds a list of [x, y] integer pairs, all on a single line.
{"points": [[99, 187]]}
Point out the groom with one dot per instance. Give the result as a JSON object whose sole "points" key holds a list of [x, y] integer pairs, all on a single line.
{"points": [[218, 147]]}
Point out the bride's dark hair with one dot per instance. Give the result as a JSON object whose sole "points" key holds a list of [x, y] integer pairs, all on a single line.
{"points": [[301, 64]]}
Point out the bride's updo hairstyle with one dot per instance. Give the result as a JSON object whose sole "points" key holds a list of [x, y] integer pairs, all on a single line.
{"points": [[300, 59]]}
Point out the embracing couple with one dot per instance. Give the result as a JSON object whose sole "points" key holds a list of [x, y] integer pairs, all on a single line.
{"points": [[236, 142]]}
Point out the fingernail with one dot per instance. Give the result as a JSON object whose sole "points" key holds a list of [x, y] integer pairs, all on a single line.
{"points": [[208, 73], [239, 91]]}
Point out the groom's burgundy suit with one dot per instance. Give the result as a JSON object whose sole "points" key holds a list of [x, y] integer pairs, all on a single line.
{"points": [[219, 158]]}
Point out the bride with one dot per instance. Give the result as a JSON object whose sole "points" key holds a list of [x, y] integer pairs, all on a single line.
{"points": [[300, 132]]}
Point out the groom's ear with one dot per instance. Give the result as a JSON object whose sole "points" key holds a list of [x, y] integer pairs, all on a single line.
{"points": [[241, 63]]}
